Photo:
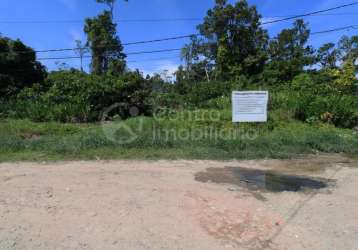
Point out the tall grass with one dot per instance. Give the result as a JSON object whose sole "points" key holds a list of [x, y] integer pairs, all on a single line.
{"points": [[170, 135]]}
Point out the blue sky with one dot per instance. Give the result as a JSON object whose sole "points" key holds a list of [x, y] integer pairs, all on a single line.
{"points": [[62, 35]]}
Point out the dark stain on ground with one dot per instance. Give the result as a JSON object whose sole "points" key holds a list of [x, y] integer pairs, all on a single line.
{"points": [[261, 180]]}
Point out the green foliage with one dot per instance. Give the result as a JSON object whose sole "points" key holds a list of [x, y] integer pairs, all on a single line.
{"points": [[233, 53], [24, 140], [18, 67], [289, 53], [221, 103], [168, 100], [338, 110], [312, 99], [201, 92], [235, 39], [110, 4], [348, 48], [345, 80], [106, 47], [73, 96], [328, 55]]}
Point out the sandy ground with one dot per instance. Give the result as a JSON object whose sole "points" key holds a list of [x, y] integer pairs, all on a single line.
{"points": [[160, 205]]}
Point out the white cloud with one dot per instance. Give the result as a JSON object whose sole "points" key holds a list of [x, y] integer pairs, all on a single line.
{"points": [[166, 65], [157, 67]]}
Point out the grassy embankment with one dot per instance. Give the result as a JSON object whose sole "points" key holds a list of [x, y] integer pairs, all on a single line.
{"points": [[202, 134]]}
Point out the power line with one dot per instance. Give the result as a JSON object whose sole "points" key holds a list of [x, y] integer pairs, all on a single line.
{"points": [[310, 14], [175, 38], [335, 30], [130, 53], [152, 51], [285, 18], [131, 61], [157, 20], [191, 35], [153, 59], [268, 22], [82, 21], [124, 44], [169, 50], [160, 40], [316, 15]]}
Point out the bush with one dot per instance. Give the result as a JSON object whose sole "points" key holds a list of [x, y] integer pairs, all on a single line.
{"points": [[167, 100], [18, 67], [222, 102], [203, 91], [340, 110], [315, 98], [73, 96]]}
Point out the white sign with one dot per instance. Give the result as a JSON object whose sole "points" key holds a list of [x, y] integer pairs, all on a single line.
{"points": [[249, 106]]}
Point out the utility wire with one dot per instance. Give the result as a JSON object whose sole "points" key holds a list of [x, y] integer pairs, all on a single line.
{"points": [[160, 40], [152, 51], [316, 15], [169, 50], [153, 59], [131, 61], [124, 44], [190, 35], [336, 29], [82, 21], [157, 20], [311, 13], [186, 36], [130, 53]]}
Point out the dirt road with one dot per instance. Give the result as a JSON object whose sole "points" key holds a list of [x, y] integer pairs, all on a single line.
{"points": [[179, 205]]}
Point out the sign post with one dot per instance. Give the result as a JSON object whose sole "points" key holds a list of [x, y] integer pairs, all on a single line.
{"points": [[249, 106]]}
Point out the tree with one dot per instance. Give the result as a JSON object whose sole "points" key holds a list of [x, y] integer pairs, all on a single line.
{"points": [[235, 38], [345, 78], [348, 47], [190, 53], [327, 56], [110, 3], [81, 50], [288, 52], [105, 45], [18, 67]]}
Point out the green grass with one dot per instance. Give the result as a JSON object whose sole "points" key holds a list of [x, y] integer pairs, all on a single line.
{"points": [[22, 140]]}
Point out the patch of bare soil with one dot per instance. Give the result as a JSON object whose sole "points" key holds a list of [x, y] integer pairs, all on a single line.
{"points": [[163, 205]]}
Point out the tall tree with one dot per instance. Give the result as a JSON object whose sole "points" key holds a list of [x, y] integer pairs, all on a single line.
{"points": [[110, 4], [18, 67], [235, 38], [289, 52], [349, 48], [105, 45], [327, 56], [190, 54], [81, 50]]}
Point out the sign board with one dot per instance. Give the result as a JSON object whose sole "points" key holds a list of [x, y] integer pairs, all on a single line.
{"points": [[249, 106]]}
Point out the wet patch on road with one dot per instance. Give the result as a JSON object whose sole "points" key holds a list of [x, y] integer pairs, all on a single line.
{"points": [[261, 180]]}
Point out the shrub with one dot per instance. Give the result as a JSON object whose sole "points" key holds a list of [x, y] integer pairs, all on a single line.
{"points": [[204, 91], [18, 67], [73, 96]]}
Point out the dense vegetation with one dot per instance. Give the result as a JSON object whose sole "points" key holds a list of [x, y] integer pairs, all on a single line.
{"points": [[172, 139], [312, 91]]}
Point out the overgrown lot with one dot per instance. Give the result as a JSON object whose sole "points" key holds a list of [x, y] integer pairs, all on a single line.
{"points": [[169, 136], [113, 111]]}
